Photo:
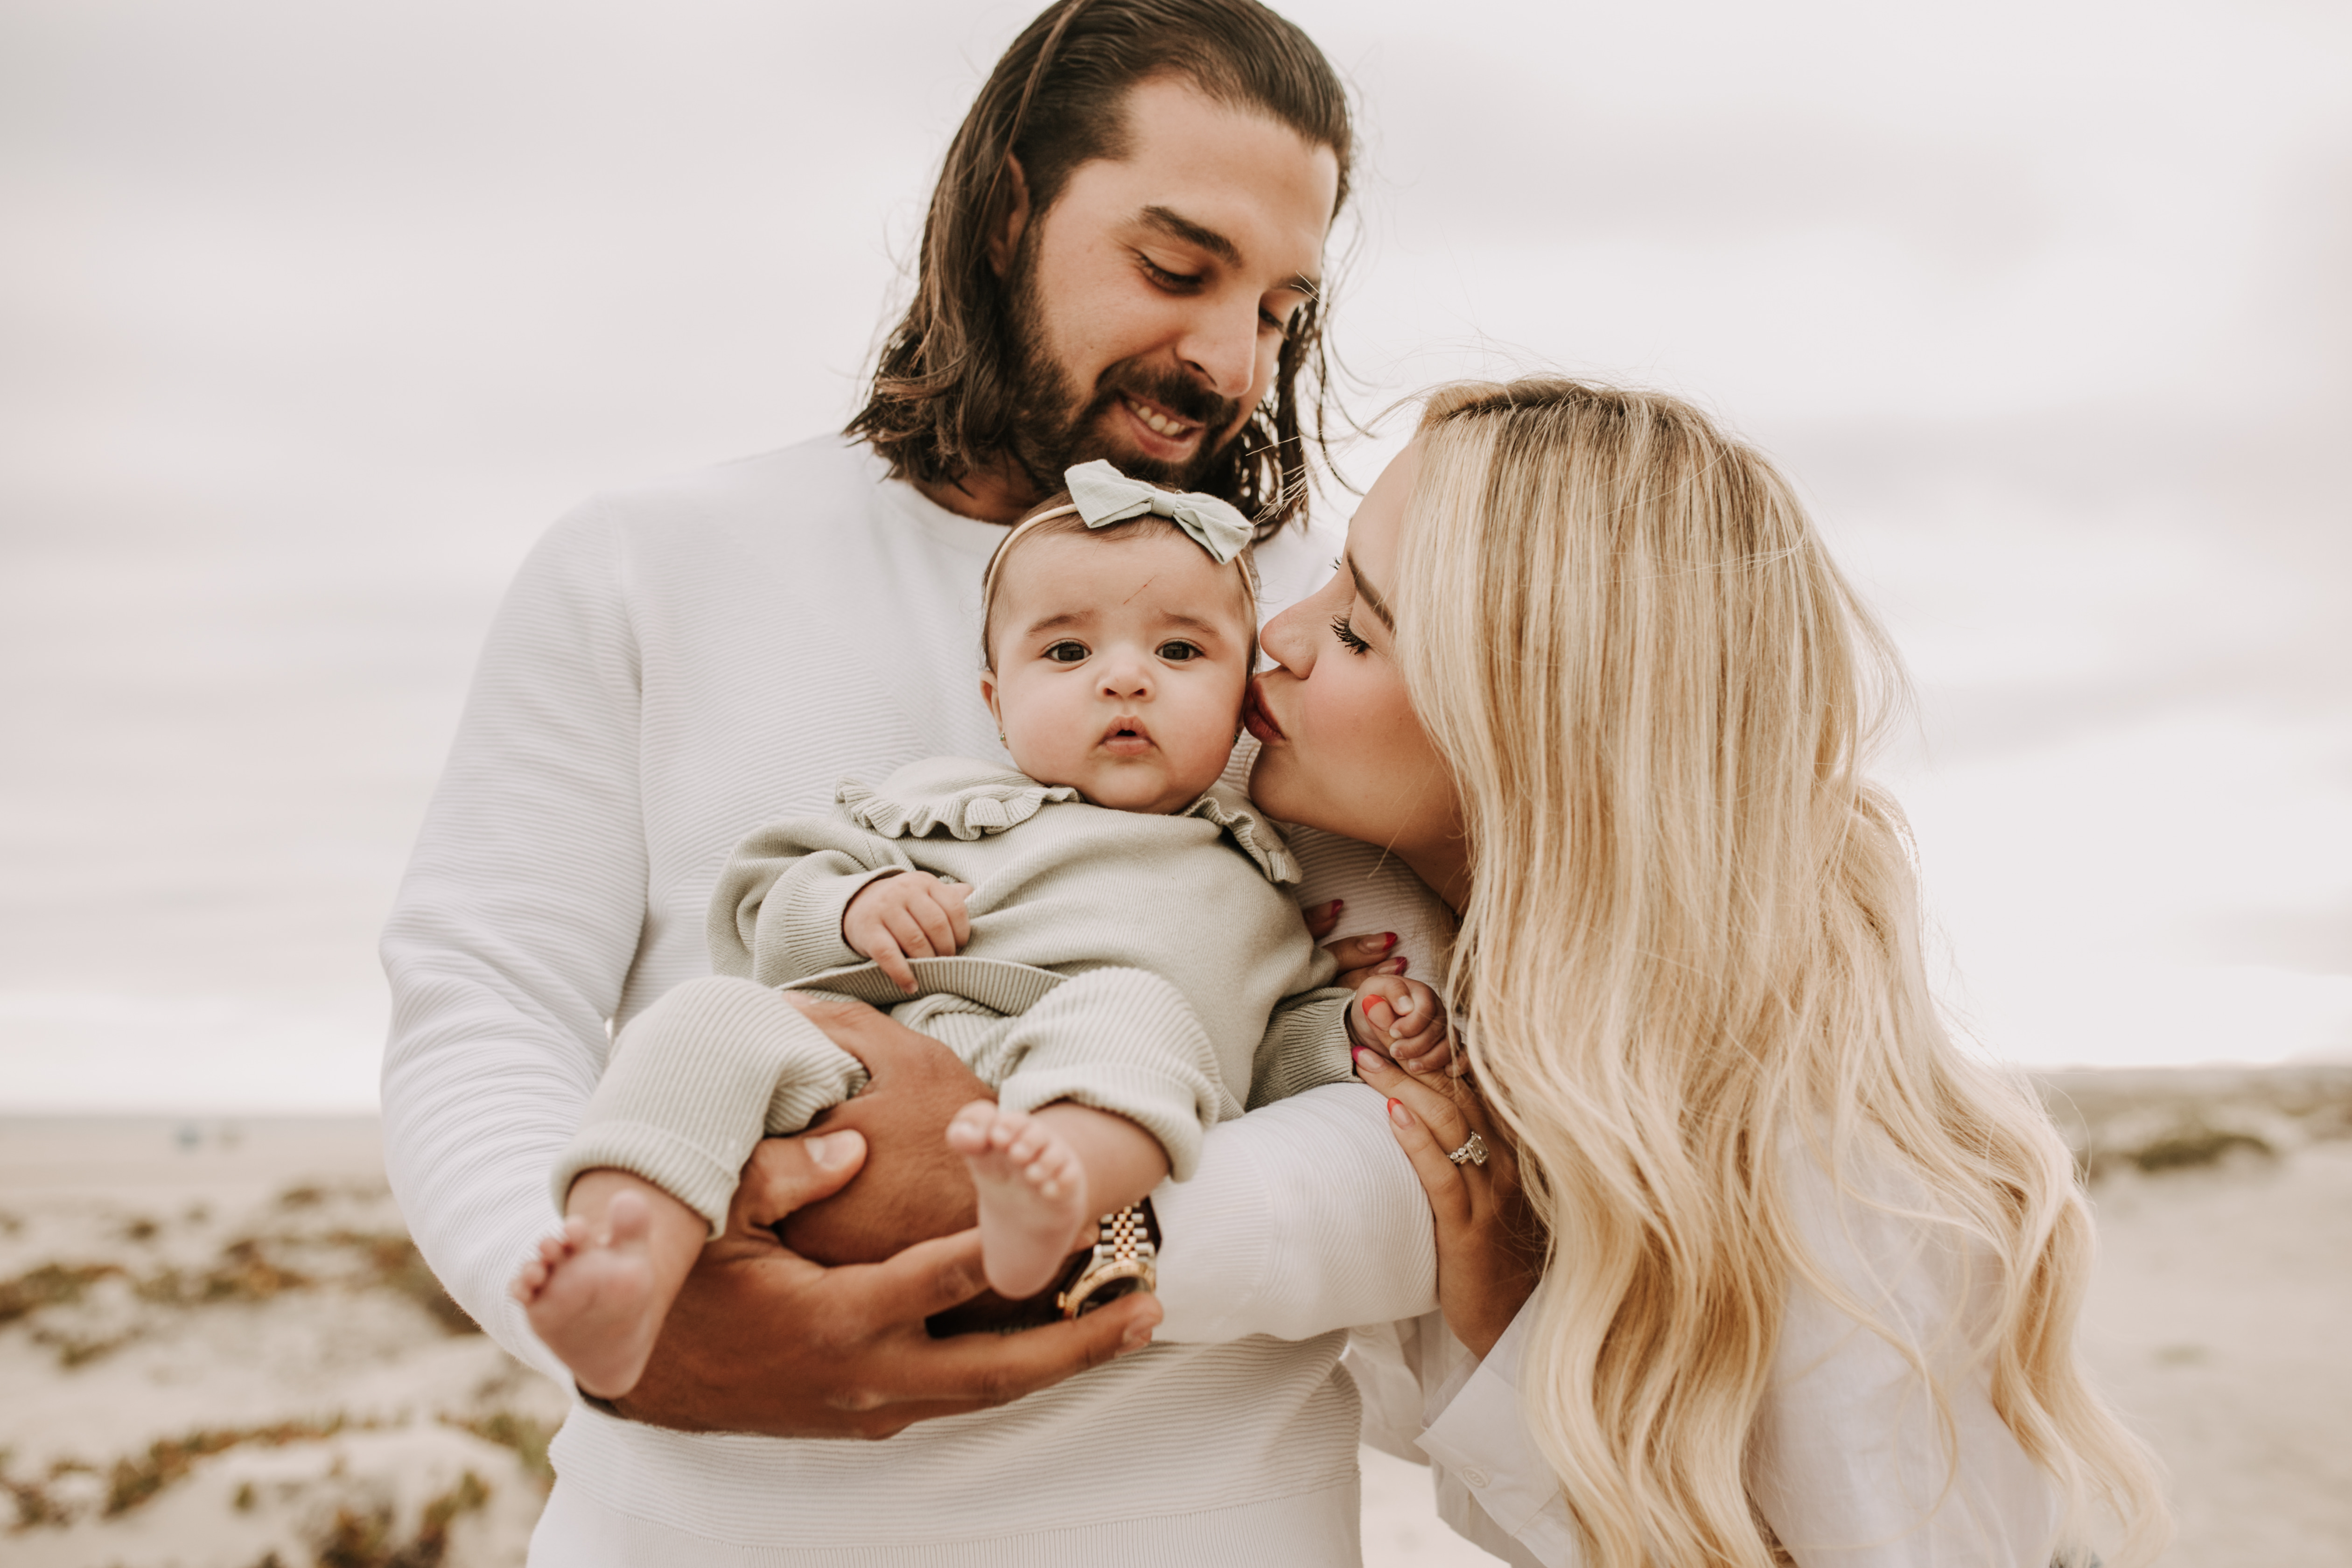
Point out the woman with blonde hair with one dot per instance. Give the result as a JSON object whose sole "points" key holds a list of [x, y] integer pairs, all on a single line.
{"points": [[1815, 1273]]}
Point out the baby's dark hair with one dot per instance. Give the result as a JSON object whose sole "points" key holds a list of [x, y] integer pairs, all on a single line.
{"points": [[1038, 522]]}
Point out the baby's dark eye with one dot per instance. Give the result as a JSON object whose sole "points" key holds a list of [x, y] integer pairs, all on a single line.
{"points": [[1346, 633], [1067, 652], [1178, 652]]}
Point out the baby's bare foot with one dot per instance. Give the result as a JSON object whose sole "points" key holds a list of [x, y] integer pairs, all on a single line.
{"points": [[592, 1298], [1032, 1195]]}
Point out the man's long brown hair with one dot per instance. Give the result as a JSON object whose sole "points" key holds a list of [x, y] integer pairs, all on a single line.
{"points": [[945, 393]]}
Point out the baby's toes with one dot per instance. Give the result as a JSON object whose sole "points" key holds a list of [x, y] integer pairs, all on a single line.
{"points": [[970, 1130], [1044, 1175]]}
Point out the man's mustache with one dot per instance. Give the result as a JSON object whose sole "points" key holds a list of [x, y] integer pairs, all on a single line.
{"points": [[1172, 389]]}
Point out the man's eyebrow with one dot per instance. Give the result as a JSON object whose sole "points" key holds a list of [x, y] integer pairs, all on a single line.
{"points": [[1176, 226], [1370, 595]]}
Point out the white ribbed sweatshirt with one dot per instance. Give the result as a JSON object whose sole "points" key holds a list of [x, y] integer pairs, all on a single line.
{"points": [[674, 666]]}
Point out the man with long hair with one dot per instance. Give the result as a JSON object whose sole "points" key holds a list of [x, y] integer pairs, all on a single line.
{"points": [[1122, 259]]}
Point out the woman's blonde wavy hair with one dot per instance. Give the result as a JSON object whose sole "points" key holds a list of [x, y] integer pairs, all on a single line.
{"points": [[1691, 955]]}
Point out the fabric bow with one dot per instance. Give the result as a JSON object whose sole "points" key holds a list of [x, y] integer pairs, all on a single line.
{"points": [[1102, 496]]}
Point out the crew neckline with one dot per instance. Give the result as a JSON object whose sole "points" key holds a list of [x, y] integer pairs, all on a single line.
{"points": [[952, 529]]}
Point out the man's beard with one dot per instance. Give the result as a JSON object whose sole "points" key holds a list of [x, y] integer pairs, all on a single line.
{"points": [[1056, 424]]}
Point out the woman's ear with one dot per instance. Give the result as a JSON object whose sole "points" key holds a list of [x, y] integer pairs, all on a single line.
{"points": [[1011, 218]]}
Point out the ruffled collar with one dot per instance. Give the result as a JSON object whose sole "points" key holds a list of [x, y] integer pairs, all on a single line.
{"points": [[968, 799]]}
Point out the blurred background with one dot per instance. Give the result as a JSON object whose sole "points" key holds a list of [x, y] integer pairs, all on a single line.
{"points": [[312, 317]]}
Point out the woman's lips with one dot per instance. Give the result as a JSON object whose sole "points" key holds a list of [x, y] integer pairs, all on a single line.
{"points": [[1256, 720]]}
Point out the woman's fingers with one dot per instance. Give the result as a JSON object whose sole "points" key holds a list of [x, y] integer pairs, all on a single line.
{"points": [[1324, 919], [1450, 1081], [1429, 1100], [1441, 1178], [1359, 956]]}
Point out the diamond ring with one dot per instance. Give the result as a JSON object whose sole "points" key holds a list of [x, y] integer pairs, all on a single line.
{"points": [[1473, 1153]]}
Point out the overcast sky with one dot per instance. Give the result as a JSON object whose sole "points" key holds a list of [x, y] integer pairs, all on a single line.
{"points": [[312, 316]]}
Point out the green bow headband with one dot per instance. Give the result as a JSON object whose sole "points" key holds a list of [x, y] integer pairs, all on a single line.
{"points": [[1102, 495]]}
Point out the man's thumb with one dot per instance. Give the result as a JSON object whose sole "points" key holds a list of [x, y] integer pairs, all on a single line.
{"points": [[788, 1173]]}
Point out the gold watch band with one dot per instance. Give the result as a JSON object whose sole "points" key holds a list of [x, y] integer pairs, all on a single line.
{"points": [[1126, 1259]]}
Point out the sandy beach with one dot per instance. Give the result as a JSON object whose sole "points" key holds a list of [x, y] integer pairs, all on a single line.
{"points": [[219, 1350]]}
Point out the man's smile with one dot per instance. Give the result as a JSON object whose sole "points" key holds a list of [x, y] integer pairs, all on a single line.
{"points": [[1160, 428]]}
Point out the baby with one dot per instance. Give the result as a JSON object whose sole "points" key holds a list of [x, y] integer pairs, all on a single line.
{"points": [[1102, 936]]}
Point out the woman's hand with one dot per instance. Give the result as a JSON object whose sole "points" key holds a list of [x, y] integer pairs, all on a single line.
{"points": [[1490, 1250], [1360, 957]]}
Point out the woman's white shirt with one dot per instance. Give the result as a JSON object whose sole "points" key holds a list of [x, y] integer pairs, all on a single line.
{"points": [[1849, 1460]]}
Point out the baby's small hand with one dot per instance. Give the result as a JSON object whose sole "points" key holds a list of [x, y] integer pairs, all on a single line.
{"points": [[1402, 1019], [911, 915]]}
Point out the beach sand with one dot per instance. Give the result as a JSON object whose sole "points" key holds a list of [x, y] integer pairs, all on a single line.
{"points": [[218, 1349]]}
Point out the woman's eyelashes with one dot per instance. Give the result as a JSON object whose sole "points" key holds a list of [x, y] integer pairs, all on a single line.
{"points": [[1342, 628]]}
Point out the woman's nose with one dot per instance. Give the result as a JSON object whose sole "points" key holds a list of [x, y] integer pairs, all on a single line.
{"points": [[1289, 639]]}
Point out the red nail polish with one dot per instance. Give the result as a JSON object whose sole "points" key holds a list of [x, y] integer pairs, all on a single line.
{"points": [[1397, 1113], [1388, 940]]}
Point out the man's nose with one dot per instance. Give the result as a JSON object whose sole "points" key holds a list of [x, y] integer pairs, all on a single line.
{"points": [[1221, 346]]}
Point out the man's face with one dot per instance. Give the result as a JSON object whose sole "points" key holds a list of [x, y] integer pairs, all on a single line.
{"points": [[1151, 298]]}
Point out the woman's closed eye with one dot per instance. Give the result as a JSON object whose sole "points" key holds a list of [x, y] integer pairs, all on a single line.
{"points": [[1342, 628], [1069, 650]]}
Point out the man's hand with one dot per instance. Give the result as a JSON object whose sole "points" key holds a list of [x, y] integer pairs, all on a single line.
{"points": [[914, 1187], [911, 915], [764, 1340]]}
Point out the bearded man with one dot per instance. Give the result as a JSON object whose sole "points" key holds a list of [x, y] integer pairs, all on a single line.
{"points": [[1122, 260]]}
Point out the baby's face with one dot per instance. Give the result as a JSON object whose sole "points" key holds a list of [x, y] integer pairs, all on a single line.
{"points": [[1119, 667]]}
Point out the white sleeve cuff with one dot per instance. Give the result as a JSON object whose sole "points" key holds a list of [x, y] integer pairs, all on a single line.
{"points": [[1479, 1445]]}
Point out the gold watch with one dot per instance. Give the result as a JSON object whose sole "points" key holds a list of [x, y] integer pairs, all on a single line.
{"points": [[1125, 1259]]}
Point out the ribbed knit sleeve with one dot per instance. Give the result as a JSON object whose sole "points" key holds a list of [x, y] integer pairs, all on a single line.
{"points": [[1303, 1216], [515, 926], [776, 916]]}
